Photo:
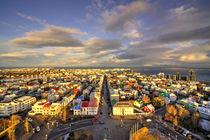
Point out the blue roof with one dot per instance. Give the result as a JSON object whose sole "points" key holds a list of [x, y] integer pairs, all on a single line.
{"points": [[77, 107], [80, 97]]}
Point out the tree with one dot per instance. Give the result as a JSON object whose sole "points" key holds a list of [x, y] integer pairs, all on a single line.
{"points": [[158, 101], [171, 114], [143, 134], [183, 113], [146, 99], [195, 119]]}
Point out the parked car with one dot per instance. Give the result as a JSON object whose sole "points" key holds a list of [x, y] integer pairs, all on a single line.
{"points": [[185, 133], [37, 129], [101, 122], [30, 120]]}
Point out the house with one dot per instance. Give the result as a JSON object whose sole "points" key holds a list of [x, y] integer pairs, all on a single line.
{"points": [[90, 108], [77, 109], [43, 107], [93, 107], [149, 108], [85, 107], [138, 103]]}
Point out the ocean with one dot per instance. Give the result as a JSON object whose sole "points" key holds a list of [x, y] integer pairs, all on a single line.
{"points": [[202, 75]]}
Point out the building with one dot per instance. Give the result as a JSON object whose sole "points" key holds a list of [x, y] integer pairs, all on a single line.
{"points": [[90, 107], [77, 109], [114, 96], [174, 77], [43, 107], [178, 76], [168, 76], [191, 75], [14, 106], [161, 75], [123, 108], [149, 108]]}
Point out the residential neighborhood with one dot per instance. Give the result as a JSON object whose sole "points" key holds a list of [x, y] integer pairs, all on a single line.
{"points": [[66, 96]]}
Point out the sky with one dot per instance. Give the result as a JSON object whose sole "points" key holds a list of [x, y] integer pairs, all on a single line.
{"points": [[104, 33]]}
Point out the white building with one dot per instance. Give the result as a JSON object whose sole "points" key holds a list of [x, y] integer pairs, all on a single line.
{"points": [[123, 108], [17, 105], [43, 107]]}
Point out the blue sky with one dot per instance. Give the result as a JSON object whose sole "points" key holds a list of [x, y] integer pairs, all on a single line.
{"points": [[104, 33]]}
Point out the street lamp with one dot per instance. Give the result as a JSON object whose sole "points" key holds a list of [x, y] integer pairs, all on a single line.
{"points": [[46, 136], [48, 125]]}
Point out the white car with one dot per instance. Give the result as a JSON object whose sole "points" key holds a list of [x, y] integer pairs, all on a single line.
{"points": [[37, 129], [148, 120], [185, 133]]}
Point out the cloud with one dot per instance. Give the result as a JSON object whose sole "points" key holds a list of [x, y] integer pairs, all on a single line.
{"points": [[181, 36], [31, 18], [134, 43], [89, 16], [194, 58], [132, 34], [182, 10], [5, 23], [95, 44], [61, 62], [123, 15], [20, 54], [49, 37], [128, 56], [147, 65], [98, 5], [49, 54], [185, 44]]}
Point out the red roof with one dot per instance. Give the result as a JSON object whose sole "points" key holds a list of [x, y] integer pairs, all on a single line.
{"points": [[75, 90], [47, 105], [2, 91], [127, 92], [44, 102], [85, 104], [92, 103], [69, 85], [56, 89]]}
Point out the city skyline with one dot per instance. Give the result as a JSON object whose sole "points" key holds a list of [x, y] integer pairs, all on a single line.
{"points": [[98, 33]]}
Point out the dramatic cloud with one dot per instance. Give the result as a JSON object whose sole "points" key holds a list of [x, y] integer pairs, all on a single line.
{"points": [[95, 45], [49, 37], [129, 33], [181, 36], [123, 15]]}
